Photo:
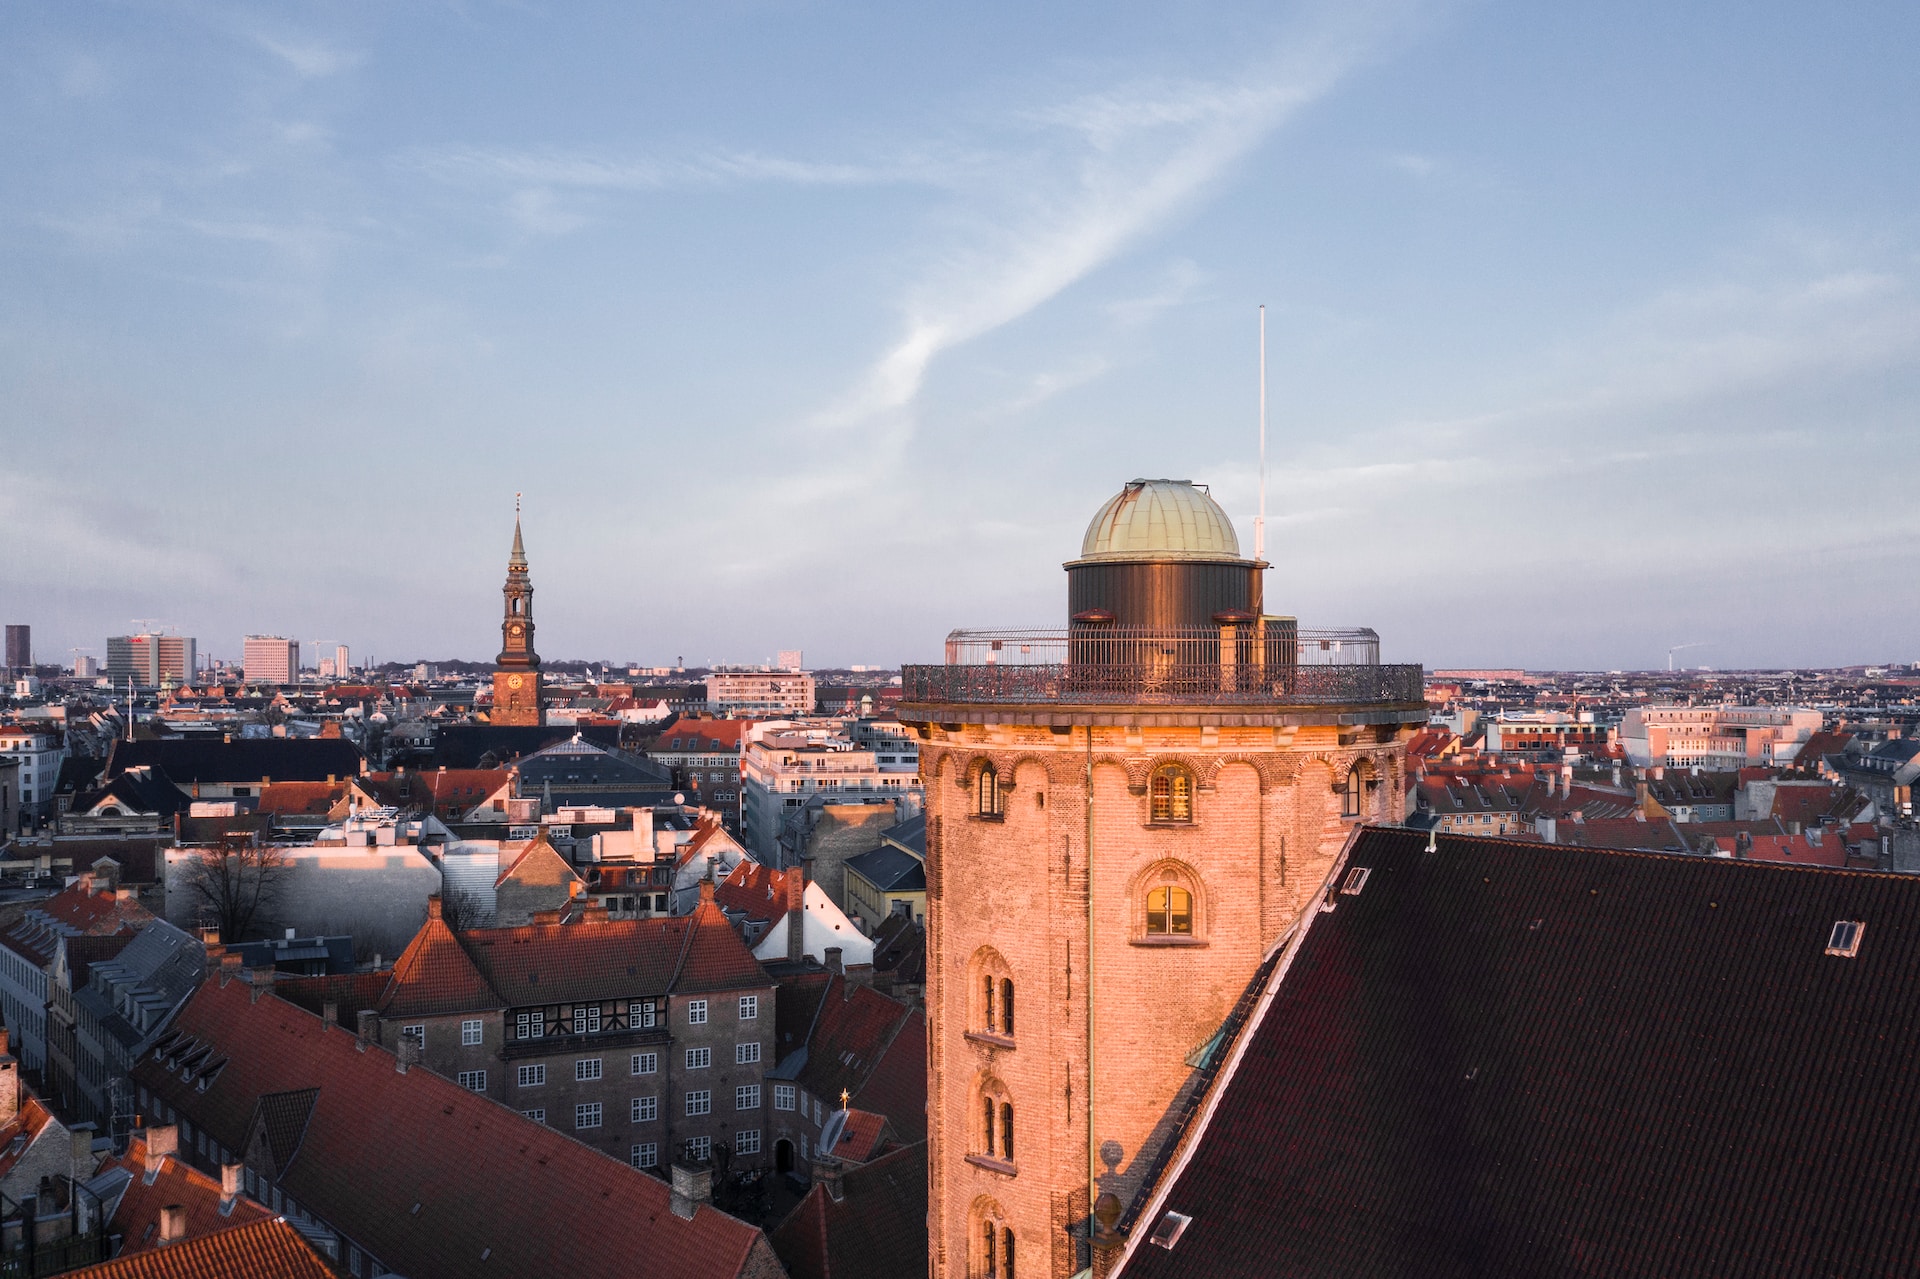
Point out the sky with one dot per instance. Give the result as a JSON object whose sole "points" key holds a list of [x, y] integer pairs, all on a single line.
{"points": [[1592, 329]]}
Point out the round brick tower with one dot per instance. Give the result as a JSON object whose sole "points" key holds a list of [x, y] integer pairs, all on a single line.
{"points": [[1124, 817]]}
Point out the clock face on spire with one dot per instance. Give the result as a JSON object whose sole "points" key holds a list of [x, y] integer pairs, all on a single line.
{"points": [[517, 694]]}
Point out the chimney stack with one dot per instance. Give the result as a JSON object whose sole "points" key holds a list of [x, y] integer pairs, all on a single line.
{"points": [[173, 1224], [231, 963], [329, 1013], [833, 960], [229, 1185], [259, 981], [163, 1140], [830, 1172], [692, 1186], [409, 1054], [433, 906], [368, 1030], [796, 885]]}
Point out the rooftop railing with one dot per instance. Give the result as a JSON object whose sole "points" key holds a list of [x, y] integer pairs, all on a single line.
{"points": [[1268, 662]]}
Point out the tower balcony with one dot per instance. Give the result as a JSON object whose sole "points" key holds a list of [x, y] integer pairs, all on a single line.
{"points": [[1245, 670]]}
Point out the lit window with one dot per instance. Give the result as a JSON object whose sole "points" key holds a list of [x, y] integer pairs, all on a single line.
{"points": [[586, 1068], [1845, 938], [746, 1054], [696, 1012], [1170, 912], [644, 1063], [586, 1115], [469, 1033], [699, 1058], [1171, 794], [700, 1103], [531, 1076]]}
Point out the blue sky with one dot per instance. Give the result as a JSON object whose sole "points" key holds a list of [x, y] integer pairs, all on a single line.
{"points": [[1593, 329]]}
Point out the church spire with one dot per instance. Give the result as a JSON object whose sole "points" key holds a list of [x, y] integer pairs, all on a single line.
{"points": [[519, 557], [518, 694]]}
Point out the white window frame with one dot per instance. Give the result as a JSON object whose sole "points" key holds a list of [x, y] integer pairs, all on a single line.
{"points": [[699, 1102], [696, 1012], [783, 1097], [473, 1080], [746, 1097], [746, 1142], [749, 1007], [643, 1110], [587, 1114], [643, 1064], [534, 1076], [699, 1058], [419, 1033], [700, 1148], [746, 1054], [586, 1069], [472, 1031], [644, 1154], [538, 1115]]}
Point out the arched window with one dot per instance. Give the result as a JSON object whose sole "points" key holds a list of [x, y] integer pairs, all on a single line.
{"points": [[1006, 1253], [987, 1110], [1006, 1007], [1006, 1131], [992, 1246], [1350, 794], [1169, 912], [1170, 794], [995, 1139], [991, 1004], [987, 792]]}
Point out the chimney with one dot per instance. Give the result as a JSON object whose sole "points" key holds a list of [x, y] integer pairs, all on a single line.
{"points": [[706, 890], [163, 1140], [231, 963], [259, 981], [210, 938], [1566, 781], [329, 1013], [830, 1172], [82, 1137], [796, 885], [833, 960], [692, 1186], [173, 1224], [368, 1029], [433, 906], [229, 1185], [1616, 772], [409, 1054]]}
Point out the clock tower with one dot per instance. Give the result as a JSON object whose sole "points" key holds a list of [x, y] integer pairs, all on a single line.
{"points": [[517, 697]]}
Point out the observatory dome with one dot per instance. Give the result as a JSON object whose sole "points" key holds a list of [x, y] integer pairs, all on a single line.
{"points": [[1160, 520]]}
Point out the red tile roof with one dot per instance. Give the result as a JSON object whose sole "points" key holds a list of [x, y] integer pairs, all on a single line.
{"points": [[603, 959], [860, 1137], [29, 1121], [1830, 851], [758, 892], [300, 799], [378, 1141], [269, 1249], [854, 1028], [435, 975], [897, 1088], [876, 1230], [137, 1217]]}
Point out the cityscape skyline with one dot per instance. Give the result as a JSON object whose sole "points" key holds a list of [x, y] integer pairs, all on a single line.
{"points": [[1591, 334]]}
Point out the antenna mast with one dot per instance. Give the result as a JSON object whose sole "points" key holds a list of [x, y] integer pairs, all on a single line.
{"points": [[1260, 520]]}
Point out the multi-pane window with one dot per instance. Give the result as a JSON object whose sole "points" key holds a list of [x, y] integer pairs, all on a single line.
{"points": [[749, 1007], [642, 1016], [643, 1110], [1170, 912], [586, 1115], [696, 1012], [644, 1063], [700, 1103], [416, 1033], [1171, 794], [586, 1021], [586, 1068], [473, 1080], [746, 1054], [699, 1058], [531, 1076], [529, 1025], [746, 1142], [699, 1148], [746, 1097], [470, 1033], [644, 1155], [538, 1116], [783, 1096]]}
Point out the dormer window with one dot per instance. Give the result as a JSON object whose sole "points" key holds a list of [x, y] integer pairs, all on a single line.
{"points": [[1845, 938]]}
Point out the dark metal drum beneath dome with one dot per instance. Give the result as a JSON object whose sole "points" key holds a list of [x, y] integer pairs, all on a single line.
{"points": [[1163, 594]]}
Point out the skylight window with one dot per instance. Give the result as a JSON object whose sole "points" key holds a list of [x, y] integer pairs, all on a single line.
{"points": [[1171, 1227], [1356, 880], [1845, 940]]}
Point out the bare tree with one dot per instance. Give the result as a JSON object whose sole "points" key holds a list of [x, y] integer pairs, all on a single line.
{"points": [[235, 883], [461, 909]]}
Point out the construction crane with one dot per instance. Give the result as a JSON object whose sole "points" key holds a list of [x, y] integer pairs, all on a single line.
{"points": [[1679, 647]]}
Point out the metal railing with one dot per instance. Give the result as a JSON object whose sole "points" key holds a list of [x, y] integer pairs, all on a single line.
{"points": [[1212, 684], [1251, 661]]}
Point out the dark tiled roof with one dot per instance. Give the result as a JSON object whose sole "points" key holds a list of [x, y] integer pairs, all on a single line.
{"points": [[377, 1141], [466, 745], [897, 1088], [147, 791], [890, 870], [269, 1249], [137, 1217], [853, 1029], [795, 1007], [877, 1230], [910, 834], [243, 760], [1508, 1058]]}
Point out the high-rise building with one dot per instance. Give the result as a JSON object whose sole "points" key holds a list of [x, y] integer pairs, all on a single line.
{"points": [[517, 695], [152, 660], [1123, 818], [340, 666], [270, 659], [19, 647], [748, 692], [792, 659], [85, 667]]}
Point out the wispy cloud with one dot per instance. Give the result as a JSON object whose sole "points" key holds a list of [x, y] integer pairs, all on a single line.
{"points": [[309, 57]]}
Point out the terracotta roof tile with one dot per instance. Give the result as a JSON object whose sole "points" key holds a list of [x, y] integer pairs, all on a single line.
{"points": [[137, 1217], [434, 974], [855, 1026], [877, 1230], [269, 1249], [897, 1088]]}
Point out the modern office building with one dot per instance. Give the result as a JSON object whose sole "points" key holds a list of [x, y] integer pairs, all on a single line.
{"points": [[151, 660], [19, 647], [271, 659]]}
